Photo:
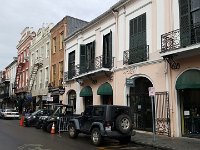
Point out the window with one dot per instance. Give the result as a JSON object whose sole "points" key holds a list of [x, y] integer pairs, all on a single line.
{"points": [[107, 50], [71, 65], [46, 76], [61, 40], [40, 79], [54, 45], [54, 73], [189, 22], [98, 111], [47, 49], [138, 44], [60, 72], [87, 57]]}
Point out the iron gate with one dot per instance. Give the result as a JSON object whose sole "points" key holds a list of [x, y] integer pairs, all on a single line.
{"points": [[142, 112], [162, 110]]}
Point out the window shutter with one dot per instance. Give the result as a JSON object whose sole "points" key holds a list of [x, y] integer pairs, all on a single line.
{"points": [[82, 58], [185, 24]]}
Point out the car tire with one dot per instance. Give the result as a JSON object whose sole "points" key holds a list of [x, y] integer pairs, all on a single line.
{"points": [[49, 126], [123, 123], [73, 133], [125, 140], [96, 137]]}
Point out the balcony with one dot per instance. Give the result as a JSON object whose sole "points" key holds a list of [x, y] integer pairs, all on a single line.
{"points": [[181, 41], [136, 55], [99, 64]]}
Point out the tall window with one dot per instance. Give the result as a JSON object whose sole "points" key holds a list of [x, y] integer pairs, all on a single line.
{"points": [[71, 66], [26, 77], [87, 57], [54, 74], [40, 79], [107, 50], [47, 49], [61, 40], [138, 44], [46, 76], [189, 21], [54, 45], [60, 72]]}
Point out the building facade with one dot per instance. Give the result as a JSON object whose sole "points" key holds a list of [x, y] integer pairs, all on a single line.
{"points": [[65, 27], [116, 58], [180, 47], [4, 89], [22, 72], [10, 75], [40, 65]]}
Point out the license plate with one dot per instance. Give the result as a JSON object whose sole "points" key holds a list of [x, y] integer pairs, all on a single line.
{"points": [[108, 128]]}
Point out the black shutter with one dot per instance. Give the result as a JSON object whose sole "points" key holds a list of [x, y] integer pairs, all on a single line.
{"points": [[93, 56], [110, 51], [185, 22], [82, 58]]}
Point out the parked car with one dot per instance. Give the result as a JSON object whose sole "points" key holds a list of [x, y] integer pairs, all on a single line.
{"points": [[32, 119], [9, 113], [61, 111], [102, 121]]}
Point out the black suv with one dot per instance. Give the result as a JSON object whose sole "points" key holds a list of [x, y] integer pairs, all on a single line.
{"points": [[101, 121]]}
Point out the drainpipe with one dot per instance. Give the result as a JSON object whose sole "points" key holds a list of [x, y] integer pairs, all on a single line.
{"points": [[115, 13]]}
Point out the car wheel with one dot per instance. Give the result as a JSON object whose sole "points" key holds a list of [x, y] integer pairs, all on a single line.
{"points": [[123, 123], [125, 140], [96, 137], [73, 133], [49, 126]]}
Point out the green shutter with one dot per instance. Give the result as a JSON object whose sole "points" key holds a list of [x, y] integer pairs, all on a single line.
{"points": [[82, 58], [185, 24], [138, 49]]}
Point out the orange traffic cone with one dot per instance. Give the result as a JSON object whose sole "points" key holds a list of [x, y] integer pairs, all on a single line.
{"points": [[53, 129], [21, 122]]}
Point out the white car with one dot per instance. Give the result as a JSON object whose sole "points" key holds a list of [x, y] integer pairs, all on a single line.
{"points": [[9, 113]]}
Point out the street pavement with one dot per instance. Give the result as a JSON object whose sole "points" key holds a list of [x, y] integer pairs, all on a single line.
{"points": [[15, 137], [168, 143]]}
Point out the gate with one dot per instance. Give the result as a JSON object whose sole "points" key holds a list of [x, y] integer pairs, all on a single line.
{"points": [[162, 119], [63, 124]]}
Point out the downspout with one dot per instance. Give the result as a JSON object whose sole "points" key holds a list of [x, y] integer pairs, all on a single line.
{"points": [[115, 13]]}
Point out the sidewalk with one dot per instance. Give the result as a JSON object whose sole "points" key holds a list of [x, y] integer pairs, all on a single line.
{"points": [[168, 143]]}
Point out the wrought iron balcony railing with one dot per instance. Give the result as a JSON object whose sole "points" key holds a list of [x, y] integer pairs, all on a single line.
{"points": [[136, 55], [91, 65], [180, 38]]}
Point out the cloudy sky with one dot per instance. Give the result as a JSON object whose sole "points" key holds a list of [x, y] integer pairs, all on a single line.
{"points": [[15, 15]]}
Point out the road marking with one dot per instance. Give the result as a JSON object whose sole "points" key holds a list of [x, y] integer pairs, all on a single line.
{"points": [[31, 147]]}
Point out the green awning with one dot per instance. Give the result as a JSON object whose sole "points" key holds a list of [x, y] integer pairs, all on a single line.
{"points": [[105, 89], [189, 80], [86, 91]]}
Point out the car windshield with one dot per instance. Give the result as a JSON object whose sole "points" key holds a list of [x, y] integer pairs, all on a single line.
{"points": [[10, 110]]}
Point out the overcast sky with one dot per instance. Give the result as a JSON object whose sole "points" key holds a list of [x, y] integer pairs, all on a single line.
{"points": [[15, 15]]}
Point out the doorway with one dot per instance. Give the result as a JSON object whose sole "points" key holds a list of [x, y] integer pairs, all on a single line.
{"points": [[140, 102]]}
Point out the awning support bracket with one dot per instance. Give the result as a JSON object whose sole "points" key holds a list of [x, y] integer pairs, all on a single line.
{"points": [[173, 64]]}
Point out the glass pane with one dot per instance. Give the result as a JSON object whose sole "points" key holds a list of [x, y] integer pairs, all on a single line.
{"points": [[195, 4], [196, 17]]}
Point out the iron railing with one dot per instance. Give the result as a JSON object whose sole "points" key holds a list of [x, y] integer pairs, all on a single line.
{"points": [[91, 65], [136, 55], [180, 38]]}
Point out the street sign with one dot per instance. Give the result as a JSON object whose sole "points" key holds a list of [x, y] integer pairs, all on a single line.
{"points": [[130, 82], [151, 91]]}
